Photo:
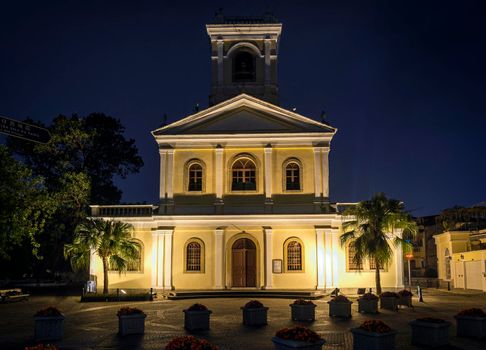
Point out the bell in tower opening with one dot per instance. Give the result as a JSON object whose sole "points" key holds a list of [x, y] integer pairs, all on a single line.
{"points": [[244, 53], [244, 67]]}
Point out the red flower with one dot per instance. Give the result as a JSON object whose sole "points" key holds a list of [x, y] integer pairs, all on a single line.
{"points": [[339, 299], [299, 334], [303, 302], [129, 311], [375, 326], [369, 296], [197, 307], [254, 304], [189, 343], [472, 312], [50, 311]]}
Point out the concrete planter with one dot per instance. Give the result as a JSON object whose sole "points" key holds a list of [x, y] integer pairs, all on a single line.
{"points": [[405, 301], [368, 306], [471, 326], [340, 309], [363, 340], [255, 317], [196, 320], [131, 324], [285, 344], [429, 333], [389, 303], [48, 327], [303, 313]]}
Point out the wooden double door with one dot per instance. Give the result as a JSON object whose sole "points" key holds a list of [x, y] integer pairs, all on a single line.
{"points": [[243, 271]]}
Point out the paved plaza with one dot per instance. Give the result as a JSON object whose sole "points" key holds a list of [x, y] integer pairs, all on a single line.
{"points": [[95, 325]]}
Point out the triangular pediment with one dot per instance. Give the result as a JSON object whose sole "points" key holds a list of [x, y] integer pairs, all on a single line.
{"points": [[243, 114]]}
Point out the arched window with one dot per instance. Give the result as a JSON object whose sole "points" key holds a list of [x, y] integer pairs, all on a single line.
{"points": [[243, 175], [292, 176], [447, 264], [352, 266], [244, 67], [194, 256], [293, 255], [195, 177]]}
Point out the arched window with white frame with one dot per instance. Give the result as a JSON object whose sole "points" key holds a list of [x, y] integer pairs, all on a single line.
{"points": [[294, 255], [194, 256], [292, 175], [243, 175]]}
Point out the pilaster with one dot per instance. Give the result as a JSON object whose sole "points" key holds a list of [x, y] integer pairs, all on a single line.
{"points": [[268, 257], [268, 174], [170, 174], [218, 258], [325, 173], [317, 173], [218, 172], [321, 283], [163, 166], [328, 257], [168, 258], [220, 44]]}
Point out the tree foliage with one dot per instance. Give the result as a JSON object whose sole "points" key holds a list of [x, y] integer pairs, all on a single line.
{"points": [[111, 240], [372, 226], [94, 145], [25, 205]]}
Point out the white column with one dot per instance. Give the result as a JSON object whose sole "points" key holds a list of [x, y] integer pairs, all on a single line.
{"points": [[267, 62], [320, 258], [317, 172], [328, 257], [220, 44], [218, 258], [399, 262], [168, 259], [153, 264], [325, 172], [163, 157], [160, 261], [170, 173], [268, 172], [268, 257], [218, 152], [335, 258]]}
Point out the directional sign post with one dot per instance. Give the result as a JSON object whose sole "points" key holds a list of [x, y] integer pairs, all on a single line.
{"points": [[23, 130], [409, 256]]}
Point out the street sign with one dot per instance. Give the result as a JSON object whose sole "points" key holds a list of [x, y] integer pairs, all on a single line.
{"points": [[23, 130]]}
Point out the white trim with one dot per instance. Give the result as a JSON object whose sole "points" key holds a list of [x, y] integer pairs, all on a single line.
{"points": [[321, 282], [268, 257], [219, 258], [168, 259], [268, 172]]}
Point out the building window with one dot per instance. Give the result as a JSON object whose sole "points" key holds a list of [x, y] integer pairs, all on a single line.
{"points": [[194, 256], [243, 175], [292, 177], [244, 67], [352, 266], [195, 177], [293, 255]]}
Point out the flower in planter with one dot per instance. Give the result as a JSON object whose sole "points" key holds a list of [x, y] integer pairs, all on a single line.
{"points": [[253, 304], [474, 312], [189, 343], [389, 295], [299, 334], [339, 299], [129, 311], [405, 293], [50, 311], [431, 320], [42, 347], [303, 302], [197, 307], [375, 326], [369, 296]]}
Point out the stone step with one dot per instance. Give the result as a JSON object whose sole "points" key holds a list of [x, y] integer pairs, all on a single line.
{"points": [[283, 294]]}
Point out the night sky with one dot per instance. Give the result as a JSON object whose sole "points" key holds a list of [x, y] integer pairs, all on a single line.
{"points": [[403, 81]]}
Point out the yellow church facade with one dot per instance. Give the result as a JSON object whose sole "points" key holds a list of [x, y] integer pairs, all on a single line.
{"points": [[243, 188]]}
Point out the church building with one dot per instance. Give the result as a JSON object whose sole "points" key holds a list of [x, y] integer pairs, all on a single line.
{"points": [[244, 187]]}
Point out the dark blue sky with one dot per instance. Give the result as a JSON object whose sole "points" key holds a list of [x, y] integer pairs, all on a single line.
{"points": [[403, 81]]}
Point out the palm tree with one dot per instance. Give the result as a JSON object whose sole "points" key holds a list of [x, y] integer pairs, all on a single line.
{"points": [[374, 224], [111, 240]]}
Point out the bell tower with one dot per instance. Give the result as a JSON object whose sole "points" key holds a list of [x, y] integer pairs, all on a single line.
{"points": [[244, 52]]}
